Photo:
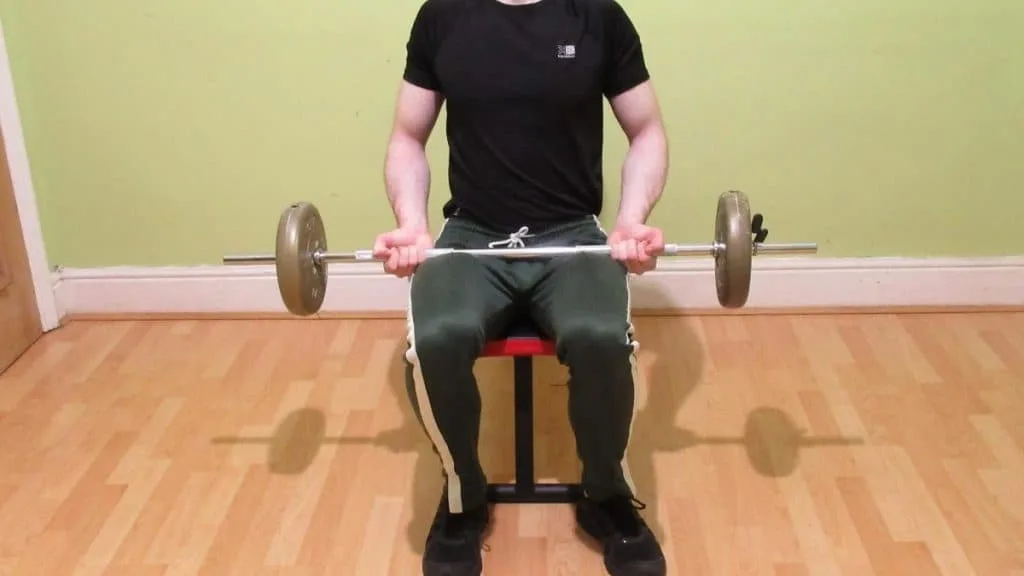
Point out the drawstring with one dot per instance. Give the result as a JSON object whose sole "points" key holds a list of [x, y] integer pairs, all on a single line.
{"points": [[514, 240]]}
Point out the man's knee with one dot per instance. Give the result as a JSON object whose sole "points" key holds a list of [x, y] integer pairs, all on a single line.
{"points": [[592, 338], [440, 359], [447, 338], [442, 324]]}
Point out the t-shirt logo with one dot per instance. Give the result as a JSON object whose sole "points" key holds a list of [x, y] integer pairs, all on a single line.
{"points": [[567, 51]]}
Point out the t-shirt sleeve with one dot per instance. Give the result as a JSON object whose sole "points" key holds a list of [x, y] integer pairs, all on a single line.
{"points": [[420, 49], [626, 67]]}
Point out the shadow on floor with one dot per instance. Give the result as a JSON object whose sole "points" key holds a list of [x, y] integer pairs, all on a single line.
{"points": [[770, 439], [301, 434]]}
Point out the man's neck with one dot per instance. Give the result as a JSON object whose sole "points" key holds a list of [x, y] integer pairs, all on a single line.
{"points": [[518, 2]]}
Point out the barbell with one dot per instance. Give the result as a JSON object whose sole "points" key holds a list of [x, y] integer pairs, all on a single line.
{"points": [[302, 258]]}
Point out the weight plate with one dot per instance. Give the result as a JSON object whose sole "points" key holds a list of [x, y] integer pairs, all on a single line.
{"points": [[733, 258], [301, 280]]}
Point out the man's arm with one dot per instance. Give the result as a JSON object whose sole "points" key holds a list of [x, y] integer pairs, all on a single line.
{"points": [[628, 87], [646, 166], [406, 170]]}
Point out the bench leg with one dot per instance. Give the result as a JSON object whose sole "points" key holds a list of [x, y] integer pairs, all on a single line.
{"points": [[525, 491]]}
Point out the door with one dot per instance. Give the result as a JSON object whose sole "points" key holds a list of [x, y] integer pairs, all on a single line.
{"points": [[19, 317]]}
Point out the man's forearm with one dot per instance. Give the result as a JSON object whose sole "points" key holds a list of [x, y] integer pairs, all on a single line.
{"points": [[407, 179], [643, 175]]}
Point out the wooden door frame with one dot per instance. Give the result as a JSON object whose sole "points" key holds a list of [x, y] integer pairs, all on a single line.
{"points": [[24, 194]]}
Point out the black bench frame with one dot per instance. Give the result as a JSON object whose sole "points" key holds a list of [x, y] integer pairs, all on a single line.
{"points": [[526, 490]]}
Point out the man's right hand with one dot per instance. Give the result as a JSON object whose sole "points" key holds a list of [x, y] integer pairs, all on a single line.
{"points": [[402, 250]]}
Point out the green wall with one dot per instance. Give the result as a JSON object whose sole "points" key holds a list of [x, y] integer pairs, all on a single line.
{"points": [[170, 133]]}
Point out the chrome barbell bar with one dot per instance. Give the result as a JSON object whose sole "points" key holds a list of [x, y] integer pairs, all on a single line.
{"points": [[540, 252]]}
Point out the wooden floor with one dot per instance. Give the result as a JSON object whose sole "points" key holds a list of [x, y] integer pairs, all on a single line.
{"points": [[888, 445]]}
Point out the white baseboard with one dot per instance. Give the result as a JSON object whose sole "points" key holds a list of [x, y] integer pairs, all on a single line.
{"points": [[778, 284]]}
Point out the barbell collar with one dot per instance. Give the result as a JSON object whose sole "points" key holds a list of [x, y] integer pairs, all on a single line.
{"points": [[788, 248]]}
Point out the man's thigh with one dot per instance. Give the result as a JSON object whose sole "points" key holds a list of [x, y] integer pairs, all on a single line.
{"points": [[591, 290], [583, 292], [458, 291]]}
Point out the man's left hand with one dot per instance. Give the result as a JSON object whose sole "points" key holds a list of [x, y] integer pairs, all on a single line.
{"points": [[637, 246]]}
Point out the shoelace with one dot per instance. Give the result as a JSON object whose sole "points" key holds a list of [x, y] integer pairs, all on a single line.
{"points": [[634, 503], [514, 240], [622, 514]]}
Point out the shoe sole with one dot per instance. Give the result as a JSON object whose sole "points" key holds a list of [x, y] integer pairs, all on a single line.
{"points": [[648, 568], [435, 569]]}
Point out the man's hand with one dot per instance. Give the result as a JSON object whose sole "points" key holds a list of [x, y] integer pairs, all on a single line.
{"points": [[638, 246], [402, 250]]}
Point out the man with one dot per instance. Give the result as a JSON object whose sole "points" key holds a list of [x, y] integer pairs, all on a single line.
{"points": [[525, 83]]}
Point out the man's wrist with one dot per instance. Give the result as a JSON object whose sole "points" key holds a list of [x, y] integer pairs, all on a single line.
{"points": [[409, 214], [632, 216], [624, 221], [419, 225], [414, 220]]}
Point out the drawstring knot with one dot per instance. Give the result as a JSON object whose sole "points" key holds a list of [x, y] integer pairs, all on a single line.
{"points": [[514, 240]]}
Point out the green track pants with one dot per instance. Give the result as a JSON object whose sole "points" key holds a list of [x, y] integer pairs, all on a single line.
{"points": [[460, 302]]}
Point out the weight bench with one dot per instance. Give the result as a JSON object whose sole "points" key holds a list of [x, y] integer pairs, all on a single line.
{"points": [[522, 342]]}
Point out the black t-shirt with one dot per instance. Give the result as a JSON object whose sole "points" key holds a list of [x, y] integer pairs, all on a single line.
{"points": [[524, 88]]}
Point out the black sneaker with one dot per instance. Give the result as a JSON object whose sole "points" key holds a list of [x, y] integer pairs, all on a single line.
{"points": [[454, 542], [630, 548]]}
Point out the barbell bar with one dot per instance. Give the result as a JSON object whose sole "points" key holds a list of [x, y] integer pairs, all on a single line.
{"points": [[533, 252], [302, 257]]}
